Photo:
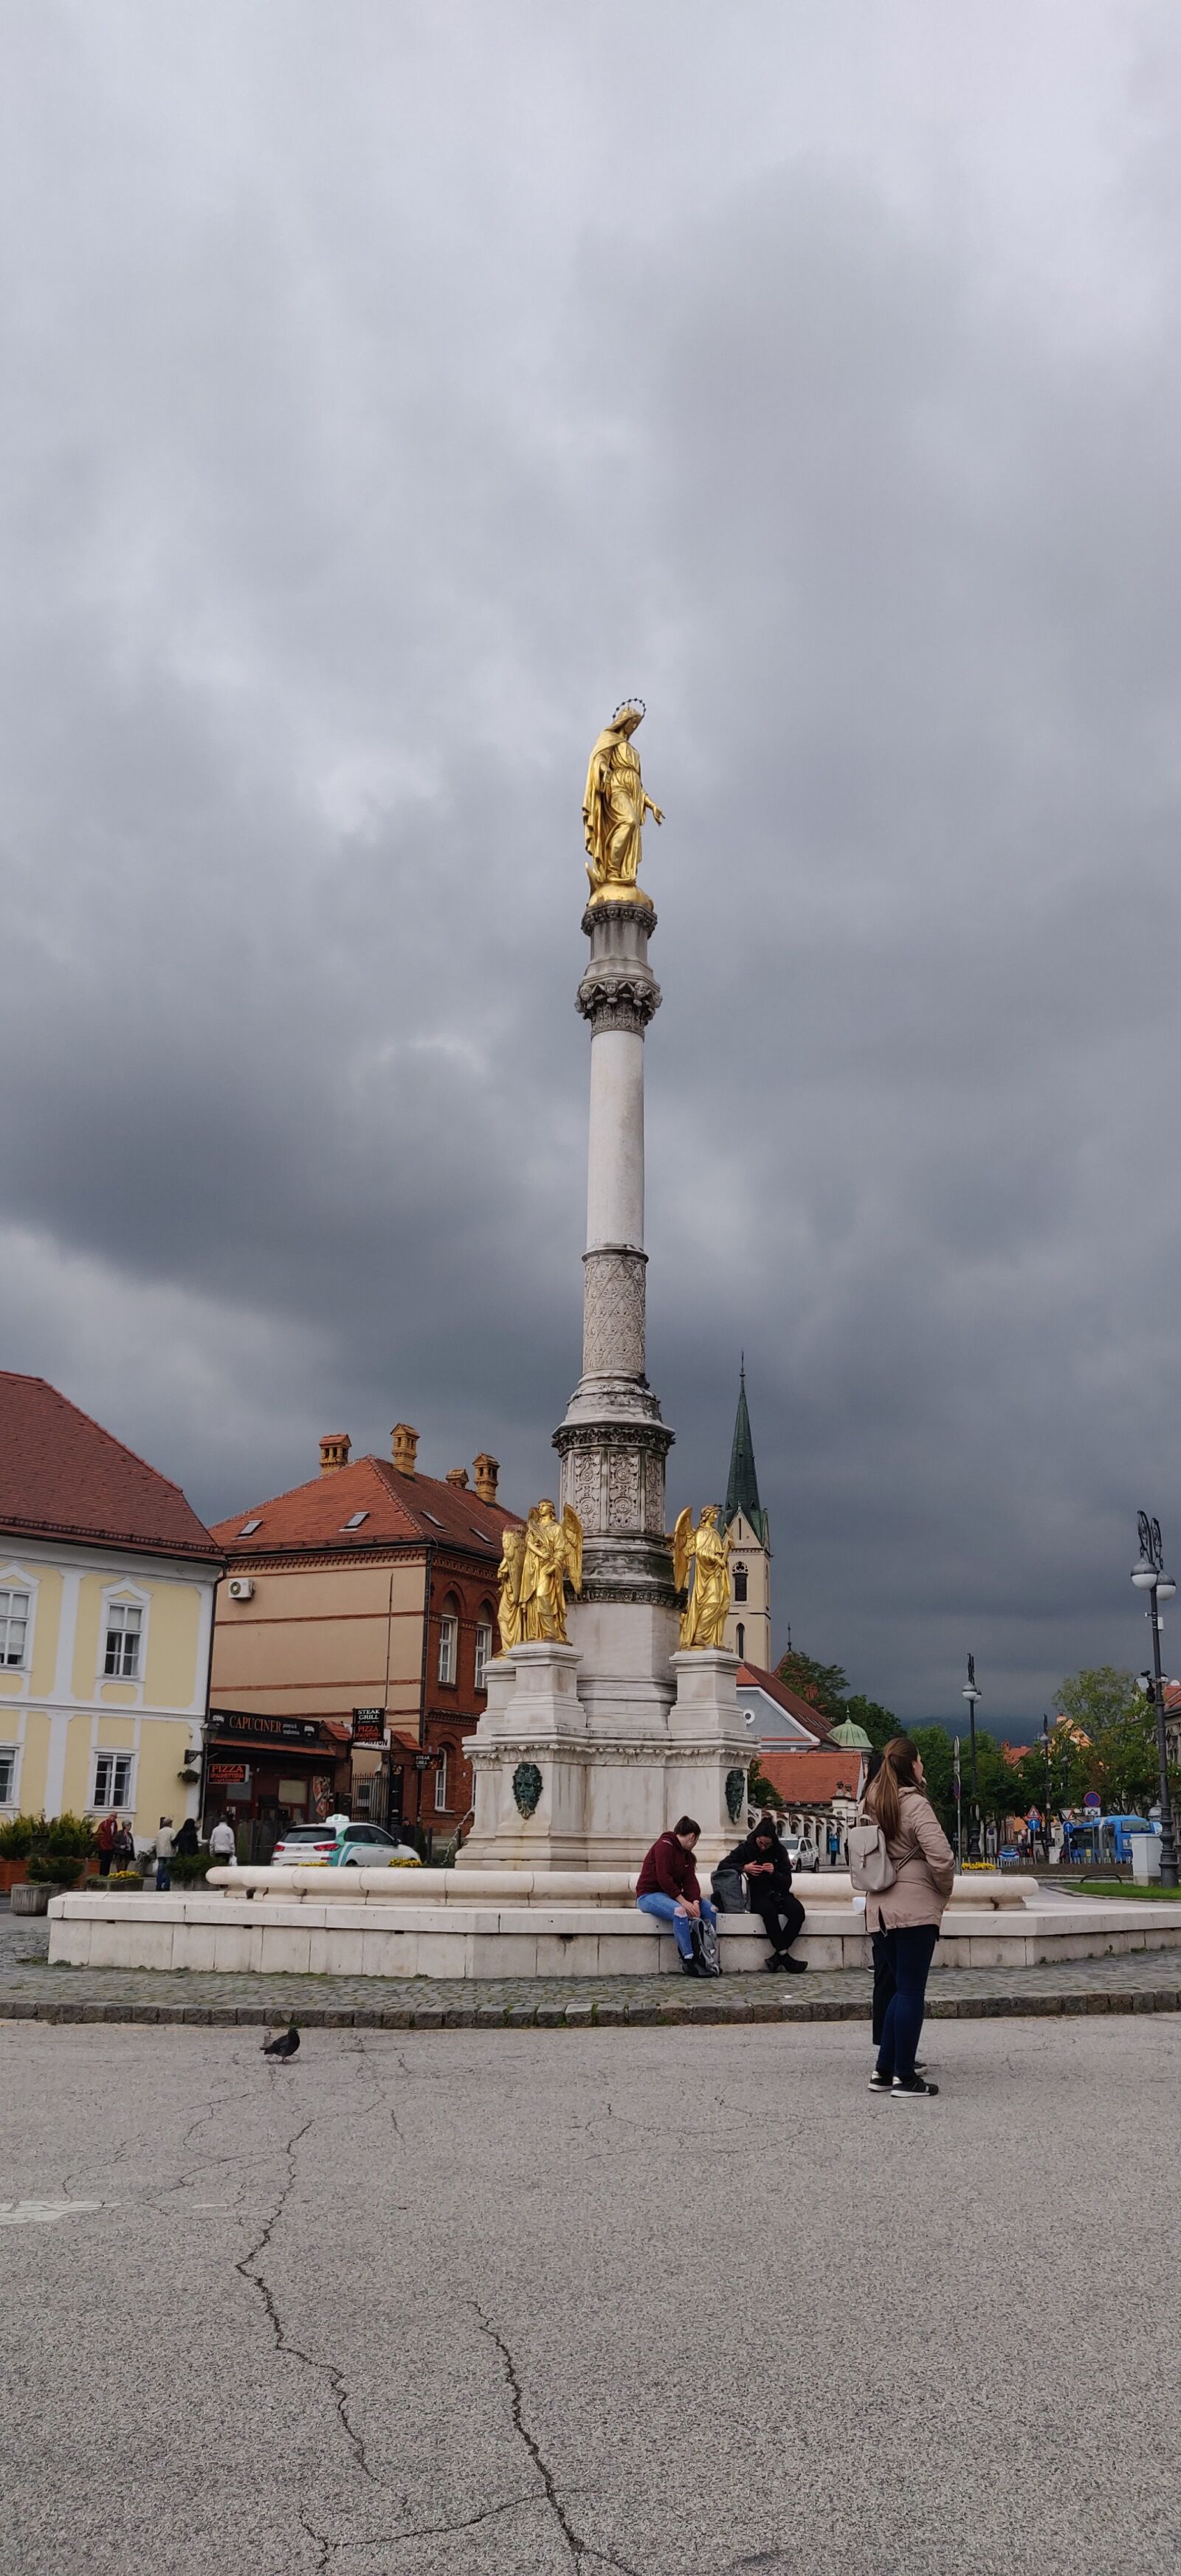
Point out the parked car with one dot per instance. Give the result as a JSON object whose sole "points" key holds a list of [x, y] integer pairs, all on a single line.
{"points": [[305, 1844], [370, 1847], [801, 1853]]}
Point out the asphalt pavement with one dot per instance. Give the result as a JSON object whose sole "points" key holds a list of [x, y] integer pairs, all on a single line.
{"points": [[666, 2301]]}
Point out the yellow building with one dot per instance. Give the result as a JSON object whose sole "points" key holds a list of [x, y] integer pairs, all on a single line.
{"points": [[107, 1583]]}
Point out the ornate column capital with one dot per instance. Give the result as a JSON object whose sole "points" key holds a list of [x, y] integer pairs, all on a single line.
{"points": [[618, 997]]}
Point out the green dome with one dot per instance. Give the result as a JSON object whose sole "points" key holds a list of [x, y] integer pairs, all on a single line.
{"points": [[852, 1736]]}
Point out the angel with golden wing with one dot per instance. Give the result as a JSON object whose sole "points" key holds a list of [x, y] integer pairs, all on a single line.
{"points": [[552, 1559], [705, 1553]]}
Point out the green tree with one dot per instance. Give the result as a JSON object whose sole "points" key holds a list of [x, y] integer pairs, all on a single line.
{"points": [[1112, 1738], [822, 1685], [761, 1791]]}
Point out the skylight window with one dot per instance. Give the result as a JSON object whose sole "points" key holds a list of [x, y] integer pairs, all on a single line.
{"points": [[356, 1520], [248, 1528], [486, 1535], [430, 1516]]}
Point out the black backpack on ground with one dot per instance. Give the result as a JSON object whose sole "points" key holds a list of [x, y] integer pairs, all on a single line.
{"points": [[705, 1949]]}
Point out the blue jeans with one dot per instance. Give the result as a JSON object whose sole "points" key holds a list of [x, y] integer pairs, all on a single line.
{"points": [[163, 1877], [907, 1955], [670, 1912]]}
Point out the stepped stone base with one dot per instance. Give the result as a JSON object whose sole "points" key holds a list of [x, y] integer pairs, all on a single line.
{"points": [[462, 1934]]}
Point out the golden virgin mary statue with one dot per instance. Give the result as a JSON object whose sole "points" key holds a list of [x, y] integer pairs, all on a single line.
{"points": [[613, 810]]}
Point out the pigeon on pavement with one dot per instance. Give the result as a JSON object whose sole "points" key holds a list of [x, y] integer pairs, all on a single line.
{"points": [[284, 2046]]}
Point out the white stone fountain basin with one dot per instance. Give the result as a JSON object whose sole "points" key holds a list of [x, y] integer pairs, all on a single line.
{"points": [[517, 1923]]}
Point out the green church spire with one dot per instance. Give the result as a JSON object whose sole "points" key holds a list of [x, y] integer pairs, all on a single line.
{"points": [[742, 1491]]}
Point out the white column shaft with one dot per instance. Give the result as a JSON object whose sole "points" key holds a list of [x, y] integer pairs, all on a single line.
{"points": [[615, 1169]]}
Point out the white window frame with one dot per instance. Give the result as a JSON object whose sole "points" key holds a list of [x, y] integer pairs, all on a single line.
{"points": [[9, 1592], [483, 1652], [16, 1578], [10, 1754], [441, 1786], [448, 1649], [111, 1805], [124, 1596]]}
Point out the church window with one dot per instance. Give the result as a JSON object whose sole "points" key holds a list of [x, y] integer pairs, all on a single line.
{"points": [[741, 1638], [740, 1583]]}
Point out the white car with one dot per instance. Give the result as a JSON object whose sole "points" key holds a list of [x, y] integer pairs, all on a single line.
{"points": [[351, 1846], [801, 1853]]}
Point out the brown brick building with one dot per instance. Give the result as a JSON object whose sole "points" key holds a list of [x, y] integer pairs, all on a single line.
{"points": [[357, 1616]]}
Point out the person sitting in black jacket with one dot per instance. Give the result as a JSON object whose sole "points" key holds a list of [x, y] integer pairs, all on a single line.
{"points": [[767, 1871]]}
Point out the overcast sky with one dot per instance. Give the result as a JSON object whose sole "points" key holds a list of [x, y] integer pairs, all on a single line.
{"points": [[388, 390]]}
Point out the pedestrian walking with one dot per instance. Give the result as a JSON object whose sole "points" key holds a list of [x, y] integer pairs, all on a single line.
{"points": [[908, 1912], [222, 1842], [187, 1844], [106, 1839], [165, 1847], [123, 1848], [767, 1871], [667, 1887]]}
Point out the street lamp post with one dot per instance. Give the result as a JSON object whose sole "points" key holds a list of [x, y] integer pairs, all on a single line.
{"points": [[1046, 1751], [959, 1813], [971, 1694], [1148, 1576]]}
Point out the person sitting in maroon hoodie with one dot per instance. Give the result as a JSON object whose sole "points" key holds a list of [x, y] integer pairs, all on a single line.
{"points": [[668, 1887]]}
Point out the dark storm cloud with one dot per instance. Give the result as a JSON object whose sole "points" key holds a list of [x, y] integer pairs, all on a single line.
{"points": [[378, 409]]}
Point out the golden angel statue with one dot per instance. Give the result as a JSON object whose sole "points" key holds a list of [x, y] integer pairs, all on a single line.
{"points": [[613, 810], [707, 1552], [508, 1614], [552, 1558]]}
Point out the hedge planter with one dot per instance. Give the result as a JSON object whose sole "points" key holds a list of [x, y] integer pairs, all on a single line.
{"points": [[29, 1899]]}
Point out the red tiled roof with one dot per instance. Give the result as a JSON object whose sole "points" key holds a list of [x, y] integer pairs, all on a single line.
{"points": [[63, 1475], [810, 1779], [790, 1700], [397, 1509]]}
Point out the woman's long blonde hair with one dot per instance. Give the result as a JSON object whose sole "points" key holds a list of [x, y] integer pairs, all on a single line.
{"points": [[897, 1772]]}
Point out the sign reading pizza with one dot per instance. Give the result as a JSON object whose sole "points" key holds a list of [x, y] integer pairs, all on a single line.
{"points": [[369, 1726]]}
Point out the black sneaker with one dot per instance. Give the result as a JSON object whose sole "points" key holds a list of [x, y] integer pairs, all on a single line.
{"points": [[912, 2084], [794, 1967], [689, 1968], [773, 1962], [881, 2083]]}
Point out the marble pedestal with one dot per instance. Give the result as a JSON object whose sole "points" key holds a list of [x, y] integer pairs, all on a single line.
{"points": [[710, 1751], [533, 1718], [607, 1790]]}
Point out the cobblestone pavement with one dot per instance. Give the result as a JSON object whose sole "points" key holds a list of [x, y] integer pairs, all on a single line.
{"points": [[30, 1989]]}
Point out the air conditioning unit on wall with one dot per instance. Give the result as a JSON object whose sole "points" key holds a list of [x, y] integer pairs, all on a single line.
{"points": [[241, 1589]]}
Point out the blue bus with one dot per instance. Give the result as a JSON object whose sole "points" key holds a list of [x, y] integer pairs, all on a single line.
{"points": [[1104, 1837]]}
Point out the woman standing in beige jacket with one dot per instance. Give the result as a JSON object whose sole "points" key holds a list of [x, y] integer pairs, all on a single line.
{"points": [[905, 1917]]}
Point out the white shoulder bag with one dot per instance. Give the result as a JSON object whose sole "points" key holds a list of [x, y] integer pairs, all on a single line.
{"points": [[871, 1869]]}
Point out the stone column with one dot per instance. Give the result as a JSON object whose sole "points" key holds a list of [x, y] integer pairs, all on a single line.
{"points": [[612, 1443]]}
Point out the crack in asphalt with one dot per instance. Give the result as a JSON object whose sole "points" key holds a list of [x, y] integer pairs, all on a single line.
{"points": [[580, 2550], [325, 2370], [321, 2539]]}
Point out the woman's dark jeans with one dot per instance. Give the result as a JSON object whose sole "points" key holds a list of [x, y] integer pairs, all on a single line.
{"points": [[906, 1957]]}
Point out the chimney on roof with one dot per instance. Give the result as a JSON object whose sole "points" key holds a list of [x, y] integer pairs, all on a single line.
{"points": [[334, 1452], [457, 1476], [405, 1448], [486, 1471]]}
